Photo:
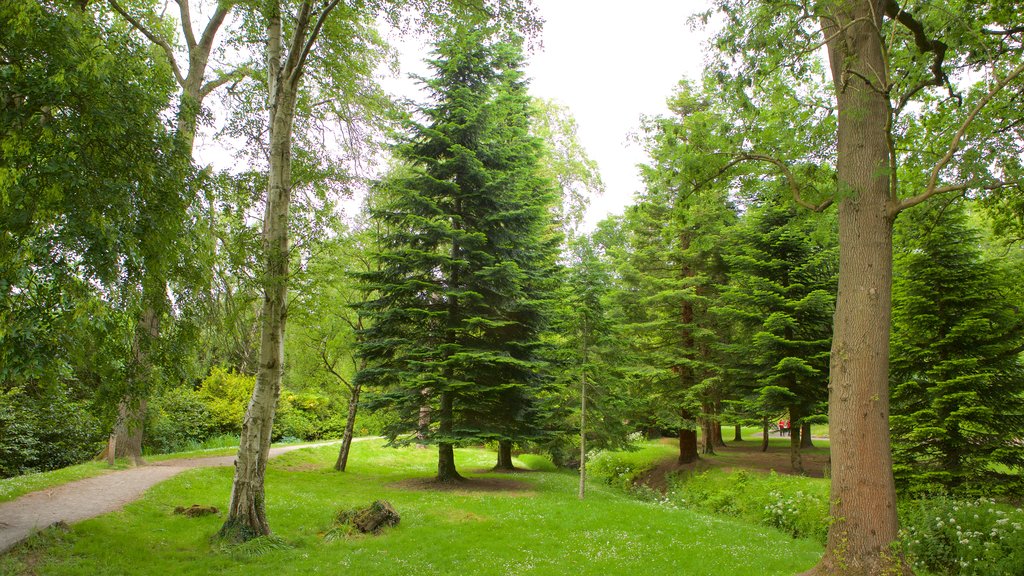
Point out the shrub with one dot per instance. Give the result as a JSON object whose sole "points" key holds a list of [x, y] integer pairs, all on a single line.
{"points": [[44, 434], [977, 537], [226, 395], [177, 420], [301, 416]]}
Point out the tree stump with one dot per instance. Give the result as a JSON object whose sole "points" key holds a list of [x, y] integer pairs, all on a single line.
{"points": [[372, 519], [195, 510]]}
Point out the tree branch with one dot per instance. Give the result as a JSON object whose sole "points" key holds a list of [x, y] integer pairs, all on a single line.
{"points": [[330, 367], [186, 24], [292, 71], [794, 186], [159, 41], [206, 40], [297, 73], [962, 187], [921, 40], [954, 146], [222, 79], [1006, 32]]}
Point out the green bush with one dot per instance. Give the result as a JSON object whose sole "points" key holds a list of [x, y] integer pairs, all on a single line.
{"points": [[978, 537], [19, 445], [177, 420], [45, 434], [226, 395], [371, 422], [621, 469], [301, 416]]}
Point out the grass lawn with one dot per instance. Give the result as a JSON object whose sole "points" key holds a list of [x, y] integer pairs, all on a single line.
{"points": [[534, 526]]}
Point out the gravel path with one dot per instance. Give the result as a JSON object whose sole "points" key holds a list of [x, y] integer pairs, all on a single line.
{"points": [[91, 497]]}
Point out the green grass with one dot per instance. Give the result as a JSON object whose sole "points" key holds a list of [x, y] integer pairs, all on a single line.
{"points": [[539, 528]]}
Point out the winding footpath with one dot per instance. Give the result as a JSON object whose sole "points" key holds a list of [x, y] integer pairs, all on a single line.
{"points": [[91, 497]]}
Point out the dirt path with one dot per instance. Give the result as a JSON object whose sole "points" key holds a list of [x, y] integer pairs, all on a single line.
{"points": [[91, 497]]}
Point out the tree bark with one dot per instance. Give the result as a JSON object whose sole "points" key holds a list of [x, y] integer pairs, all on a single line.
{"points": [[246, 511], [717, 429], [126, 438], [805, 436], [765, 432], [863, 497], [707, 434], [687, 441], [795, 457], [504, 456], [446, 471], [737, 433], [350, 423]]}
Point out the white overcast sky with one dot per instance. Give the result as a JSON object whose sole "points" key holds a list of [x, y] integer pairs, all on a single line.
{"points": [[609, 62]]}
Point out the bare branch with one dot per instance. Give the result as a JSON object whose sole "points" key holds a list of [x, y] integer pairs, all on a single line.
{"points": [[954, 146], [330, 367], [158, 40], [186, 24]]}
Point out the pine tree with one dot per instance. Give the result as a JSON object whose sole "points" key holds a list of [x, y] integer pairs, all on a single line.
{"points": [[782, 295], [461, 289], [672, 270], [957, 379]]}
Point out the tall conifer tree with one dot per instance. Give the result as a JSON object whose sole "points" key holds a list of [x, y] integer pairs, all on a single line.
{"points": [[466, 258], [957, 379], [782, 294]]}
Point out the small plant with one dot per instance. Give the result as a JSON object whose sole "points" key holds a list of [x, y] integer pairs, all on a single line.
{"points": [[977, 537]]}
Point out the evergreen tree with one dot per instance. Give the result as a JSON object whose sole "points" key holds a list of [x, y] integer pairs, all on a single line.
{"points": [[957, 379], [782, 294], [672, 269], [465, 257]]}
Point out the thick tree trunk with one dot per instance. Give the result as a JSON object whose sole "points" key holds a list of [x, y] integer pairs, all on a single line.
{"points": [[504, 456], [350, 423], [717, 429], [863, 497], [737, 435], [687, 442], [805, 436], [707, 435], [446, 471], [126, 439], [247, 512], [765, 433], [795, 457]]}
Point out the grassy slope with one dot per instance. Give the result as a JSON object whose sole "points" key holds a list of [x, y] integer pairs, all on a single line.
{"points": [[543, 529]]}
